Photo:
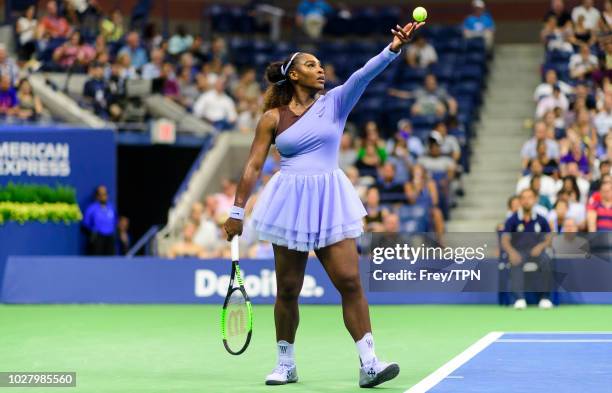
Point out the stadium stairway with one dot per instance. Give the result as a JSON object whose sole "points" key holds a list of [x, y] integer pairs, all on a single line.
{"points": [[495, 166]]}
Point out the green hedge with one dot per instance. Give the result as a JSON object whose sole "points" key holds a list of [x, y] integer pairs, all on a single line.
{"points": [[37, 193], [42, 212]]}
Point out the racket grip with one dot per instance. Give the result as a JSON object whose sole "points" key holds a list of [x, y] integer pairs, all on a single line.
{"points": [[235, 251]]}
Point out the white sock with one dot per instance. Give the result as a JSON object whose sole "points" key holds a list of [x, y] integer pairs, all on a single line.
{"points": [[365, 347], [285, 353]]}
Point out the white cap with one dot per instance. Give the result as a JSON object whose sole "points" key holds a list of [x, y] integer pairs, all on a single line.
{"points": [[478, 3]]}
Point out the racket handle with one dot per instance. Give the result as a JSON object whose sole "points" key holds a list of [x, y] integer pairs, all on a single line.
{"points": [[235, 252]]}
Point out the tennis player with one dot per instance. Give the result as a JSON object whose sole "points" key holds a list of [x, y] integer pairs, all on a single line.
{"points": [[310, 204]]}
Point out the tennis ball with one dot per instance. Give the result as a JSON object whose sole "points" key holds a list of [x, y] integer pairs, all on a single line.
{"points": [[419, 14]]}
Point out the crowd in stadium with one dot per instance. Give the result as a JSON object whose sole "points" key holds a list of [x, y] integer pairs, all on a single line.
{"points": [[567, 161], [406, 164]]}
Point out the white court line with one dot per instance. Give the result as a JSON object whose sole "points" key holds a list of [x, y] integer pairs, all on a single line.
{"points": [[437, 376], [567, 332], [527, 340]]}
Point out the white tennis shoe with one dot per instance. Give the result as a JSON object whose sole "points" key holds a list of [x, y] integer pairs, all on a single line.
{"points": [[282, 374], [377, 372], [545, 303], [520, 304]]}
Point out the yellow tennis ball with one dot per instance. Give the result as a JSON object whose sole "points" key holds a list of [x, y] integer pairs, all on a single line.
{"points": [[419, 14]]}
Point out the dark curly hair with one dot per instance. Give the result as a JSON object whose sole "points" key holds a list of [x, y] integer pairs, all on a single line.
{"points": [[281, 89]]}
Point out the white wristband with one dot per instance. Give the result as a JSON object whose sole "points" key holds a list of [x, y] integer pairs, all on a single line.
{"points": [[237, 213]]}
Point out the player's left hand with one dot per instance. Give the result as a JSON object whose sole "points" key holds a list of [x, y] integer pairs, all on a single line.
{"points": [[401, 36]]}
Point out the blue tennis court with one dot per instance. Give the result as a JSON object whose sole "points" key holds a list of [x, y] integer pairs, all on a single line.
{"points": [[527, 362]]}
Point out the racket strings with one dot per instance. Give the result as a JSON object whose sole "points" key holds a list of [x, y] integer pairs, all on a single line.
{"points": [[236, 321]]}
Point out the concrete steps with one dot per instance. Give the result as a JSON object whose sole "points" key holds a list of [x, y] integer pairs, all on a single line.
{"points": [[496, 160]]}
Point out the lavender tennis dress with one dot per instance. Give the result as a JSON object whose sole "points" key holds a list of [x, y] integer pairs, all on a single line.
{"points": [[310, 203]]}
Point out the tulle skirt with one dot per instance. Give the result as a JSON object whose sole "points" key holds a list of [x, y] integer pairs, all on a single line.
{"points": [[305, 212]]}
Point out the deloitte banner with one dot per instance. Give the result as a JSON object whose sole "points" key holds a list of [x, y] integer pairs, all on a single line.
{"points": [[154, 280], [81, 158]]}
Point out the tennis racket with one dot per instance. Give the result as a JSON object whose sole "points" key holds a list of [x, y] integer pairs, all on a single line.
{"points": [[237, 314]]}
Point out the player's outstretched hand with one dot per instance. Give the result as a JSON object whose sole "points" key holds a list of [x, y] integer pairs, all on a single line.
{"points": [[232, 227], [403, 35]]}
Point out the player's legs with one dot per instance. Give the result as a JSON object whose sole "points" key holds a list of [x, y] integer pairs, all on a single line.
{"points": [[341, 262], [290, 268]]}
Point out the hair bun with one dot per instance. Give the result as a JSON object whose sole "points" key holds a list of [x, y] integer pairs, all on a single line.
{"points": [[273, 72]]}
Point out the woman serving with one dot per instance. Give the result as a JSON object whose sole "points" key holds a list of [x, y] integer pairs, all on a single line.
{"points": [[310, 204]]}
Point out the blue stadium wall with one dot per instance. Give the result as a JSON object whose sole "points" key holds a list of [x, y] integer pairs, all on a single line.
{"points": [[79, 157], [50, 280]]}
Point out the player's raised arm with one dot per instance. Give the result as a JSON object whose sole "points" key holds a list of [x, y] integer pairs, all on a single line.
{"points": [[264, 134], [348, 94]]}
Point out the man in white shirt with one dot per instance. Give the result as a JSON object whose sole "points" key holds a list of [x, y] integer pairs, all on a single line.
{"points": [[603, 119], [529, 149], [556, 100], [216, 106], [548, 186], [591, 15], [152, 69], [421, 54], [582, 64], [545, 88]]}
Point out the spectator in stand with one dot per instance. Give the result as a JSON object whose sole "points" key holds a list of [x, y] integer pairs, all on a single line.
{"points": [[167, 84], [577, 156], [479, 24], [605, 23], [360, 185], [389, 188], [100, 222], [450, 145], [186, 247], [550, 165], [582, 35], [247, 88], [557, 216], [132, 47], [207, 234], [151, 37], [545, 89], [331, 78], [112, 28], [26, 28], [216, 106], [348, 153], [96, 91], [421, 54], [30, 106], [224, 200], [528, 248], [153, 69], [576, 210], [548, 185], [529, 150], [549, 103], [124, 240], [583, 64], [125, 66], [249, 117], [589, 12], [376, 214], [574, 180], [311, 16], [218, 51], [542, 200], [180, 42], [89, 14], [559, 12], [423, 191], [555, 37], [600, 213], [605, 170], [391, 223], [8, 66], [187, 64], [74, 54], [9, 104], [433, 100], [513, 205], [603, 118], [434, 162], [52, 25], [405, 136], [369, 158]]}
